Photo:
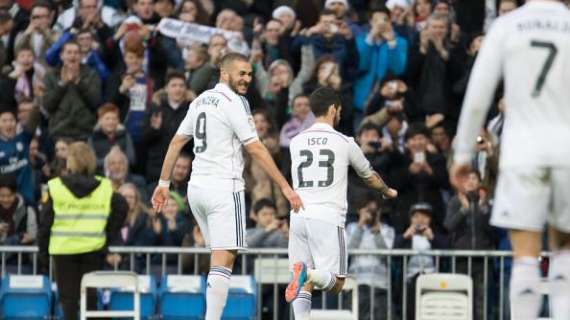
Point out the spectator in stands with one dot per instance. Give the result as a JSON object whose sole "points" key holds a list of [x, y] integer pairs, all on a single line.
{"points": [[89, 50], [403, 20], [422, 10], [269, 231], [164, 8], [269, 42], [418, 178], [460, 85], [18, 220], [41, 171], [18, 82], [175, 221], [420, 235], [116, 169], [279, 85], [14, 153], [188, 11], [72, 94], [6, 26], [58, 165], [441, 140], [139, 227], [341, 8], [38, 35], [327, 74], [331, 36], [257, 180], [75, 253], [431, 68], [161, 122], [108, 133], [207, 75], [371, 271], [90, 14], [467, 221], [380, 153], [195, 57], [301, 118], [131, 89], [380, 51], [181, 175], [486, 161]]}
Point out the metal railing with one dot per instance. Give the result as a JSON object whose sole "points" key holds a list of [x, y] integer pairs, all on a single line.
{"points": [[186, 260]]}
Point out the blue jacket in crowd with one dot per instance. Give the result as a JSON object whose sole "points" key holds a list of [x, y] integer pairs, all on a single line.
{"points": [[14, 159], [376, 60]]}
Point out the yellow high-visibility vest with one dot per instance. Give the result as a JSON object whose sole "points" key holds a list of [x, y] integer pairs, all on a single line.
{"points": [[79, 223]]}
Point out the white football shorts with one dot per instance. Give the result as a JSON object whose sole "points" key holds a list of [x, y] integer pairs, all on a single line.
{"points": [[319, 244], [220, 215], [526, 199]]}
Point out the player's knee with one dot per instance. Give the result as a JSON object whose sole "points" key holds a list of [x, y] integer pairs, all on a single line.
{"points": [[223, 258], [337, 288]]}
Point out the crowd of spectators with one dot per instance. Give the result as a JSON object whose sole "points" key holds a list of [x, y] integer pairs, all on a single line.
{"points": [[120, 75]]}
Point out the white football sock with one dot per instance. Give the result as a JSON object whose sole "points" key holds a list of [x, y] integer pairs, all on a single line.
{"points": [[217, 291], [302, 305], [525, 297], [323, 280], [559, 278]]}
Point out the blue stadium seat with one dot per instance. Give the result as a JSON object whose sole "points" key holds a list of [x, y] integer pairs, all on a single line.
{"points": [[182, 297], [122, 299], [25, 297], [242, 297]]}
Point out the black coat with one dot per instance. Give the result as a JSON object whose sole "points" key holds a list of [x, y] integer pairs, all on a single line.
{"points": [[156, 141], [421, 187]]}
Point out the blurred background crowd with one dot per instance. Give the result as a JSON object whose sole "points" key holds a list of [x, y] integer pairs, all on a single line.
{"points": [[120, 74]]}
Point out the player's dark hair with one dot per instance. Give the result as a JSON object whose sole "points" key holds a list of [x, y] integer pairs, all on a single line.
{"points": [[262, 203], [231, 57], [7, 109], [321, 99], [9, 181]]}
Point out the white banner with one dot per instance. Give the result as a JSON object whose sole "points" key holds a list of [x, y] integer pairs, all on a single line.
{"points": [[189, 33]]}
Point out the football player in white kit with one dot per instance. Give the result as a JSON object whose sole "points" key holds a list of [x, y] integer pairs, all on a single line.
{"points": [[530, 49], [220, 122], [320, 157]]}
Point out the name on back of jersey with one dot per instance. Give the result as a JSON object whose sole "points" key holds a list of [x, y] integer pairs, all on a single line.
{"points": [[209, 100], [317, 141]]}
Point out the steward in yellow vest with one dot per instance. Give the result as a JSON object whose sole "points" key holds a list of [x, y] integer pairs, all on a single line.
{"points": [[82, 217]]}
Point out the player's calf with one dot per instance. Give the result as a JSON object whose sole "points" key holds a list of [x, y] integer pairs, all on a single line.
{"points": [[337, 288]]}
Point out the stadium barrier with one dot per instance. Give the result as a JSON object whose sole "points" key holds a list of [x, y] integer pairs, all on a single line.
{"points": [[158, 261]]}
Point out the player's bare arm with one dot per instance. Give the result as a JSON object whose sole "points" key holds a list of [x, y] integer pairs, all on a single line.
{"points": [[376, 183], [260, 154], [160, 193]]}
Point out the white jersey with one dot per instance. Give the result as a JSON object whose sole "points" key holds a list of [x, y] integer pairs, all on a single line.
{"points": [[220, 122], [320, 157], [530, 49]]}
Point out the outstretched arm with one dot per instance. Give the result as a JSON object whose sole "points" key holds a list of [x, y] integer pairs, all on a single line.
{"points": [[161, 191]]}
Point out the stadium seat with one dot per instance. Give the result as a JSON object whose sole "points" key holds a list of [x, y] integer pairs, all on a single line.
{"points": [[110, 279], [444, 296], [25, 297], [122, 298], [182, 297], [271, 271], [242, 298], [350, 284]]}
